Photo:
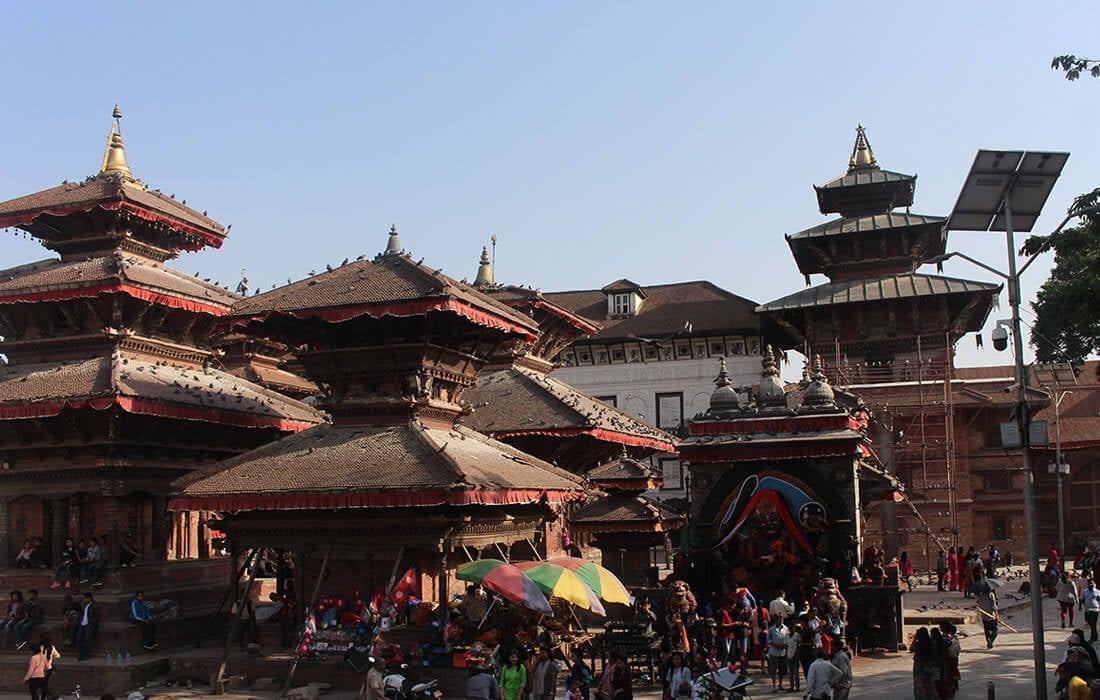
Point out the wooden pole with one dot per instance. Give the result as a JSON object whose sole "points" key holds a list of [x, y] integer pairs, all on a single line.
{"points": [[998, 619], [231, 589], [306, 611], [235, 623]]}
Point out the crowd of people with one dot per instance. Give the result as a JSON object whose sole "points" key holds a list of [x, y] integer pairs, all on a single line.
{"points": [[960, 569]]}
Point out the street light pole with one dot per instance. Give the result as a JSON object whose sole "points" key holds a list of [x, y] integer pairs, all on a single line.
{"points": [[986, 203], [1023, 416]]}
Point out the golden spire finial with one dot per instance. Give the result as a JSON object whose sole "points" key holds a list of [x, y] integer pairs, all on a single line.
{"points": [[862, 157], [114, 157], [484, 270]]}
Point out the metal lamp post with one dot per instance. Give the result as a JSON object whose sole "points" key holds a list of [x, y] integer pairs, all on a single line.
{"points": [[999, 186]]}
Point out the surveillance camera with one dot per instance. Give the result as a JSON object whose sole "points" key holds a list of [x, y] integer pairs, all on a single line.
{"points": [[1011, 388], [1000, 338]]}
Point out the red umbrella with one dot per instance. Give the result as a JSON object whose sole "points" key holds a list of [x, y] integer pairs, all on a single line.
{"points": [[507, 580]]}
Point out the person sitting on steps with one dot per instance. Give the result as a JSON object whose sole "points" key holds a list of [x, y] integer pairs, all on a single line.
{"points": [[93, 567], [128, 551], [33, 616], [67, 565], [139, 615], [13, 615]]}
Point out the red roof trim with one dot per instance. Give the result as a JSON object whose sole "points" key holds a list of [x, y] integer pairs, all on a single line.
{"points": [[749, 426], [598, 433], [571, 319], [392, 499], [144, 407], [209, 238], [746, 453], [128, 289], [402, 309]]}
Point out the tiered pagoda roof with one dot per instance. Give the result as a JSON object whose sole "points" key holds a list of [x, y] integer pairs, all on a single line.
{"points": [[111, 387], [137, 277], [623, 508], [516, 400], [141, 385], [395, 344], [359, 466], [111, 210], [107, 325], [875, 303]]}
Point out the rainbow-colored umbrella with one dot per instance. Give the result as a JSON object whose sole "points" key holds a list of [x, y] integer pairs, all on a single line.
{"points": [[603, 583], [507, 580], [559, 581]]}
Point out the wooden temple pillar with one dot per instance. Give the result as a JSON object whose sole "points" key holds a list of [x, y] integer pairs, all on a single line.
{"points": [[300, 588], [160, 527], [5, 531], [203, 535], [59, 526], [111, 536], [443, 609]]}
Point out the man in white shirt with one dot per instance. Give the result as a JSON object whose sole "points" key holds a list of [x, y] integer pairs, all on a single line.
{"points": [[374, 679], [1089, 601], [820, 678], [779, 608]]}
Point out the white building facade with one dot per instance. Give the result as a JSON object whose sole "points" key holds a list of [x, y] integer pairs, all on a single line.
{"points": [[657, 353]]}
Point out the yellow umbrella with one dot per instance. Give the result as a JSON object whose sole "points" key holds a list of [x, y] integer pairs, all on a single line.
{"points": [[561, 582], [603, 583]]}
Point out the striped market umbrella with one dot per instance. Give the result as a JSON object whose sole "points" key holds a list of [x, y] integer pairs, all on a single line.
{"points": [[507, 580], [603, 583], [555, 580]]}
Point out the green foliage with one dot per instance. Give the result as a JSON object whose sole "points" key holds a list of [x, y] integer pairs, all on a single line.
{"points": [[1073, 66], [1067, 306]]}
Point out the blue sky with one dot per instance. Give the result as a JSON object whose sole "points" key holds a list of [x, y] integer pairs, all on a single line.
{"points": [[657, 141]]}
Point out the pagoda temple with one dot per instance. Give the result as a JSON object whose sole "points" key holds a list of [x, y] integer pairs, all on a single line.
{"points": [[395, 481], [112, 388], [888, 334], [624, 523], [517, 401]]}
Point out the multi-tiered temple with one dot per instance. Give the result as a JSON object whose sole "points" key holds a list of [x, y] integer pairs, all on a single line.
{"points": [[111, 388], [395, 481], [887, 332], [877, 316]]}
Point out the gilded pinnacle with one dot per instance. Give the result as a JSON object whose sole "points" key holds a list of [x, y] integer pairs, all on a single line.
{"points": [[484, 270], [862, 156], [114, 157]]}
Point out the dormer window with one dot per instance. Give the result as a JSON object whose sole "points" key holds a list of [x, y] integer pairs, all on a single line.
{"points": [[624, 298], [621, 304]]}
